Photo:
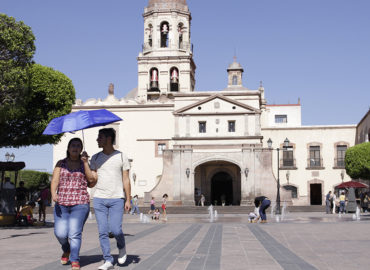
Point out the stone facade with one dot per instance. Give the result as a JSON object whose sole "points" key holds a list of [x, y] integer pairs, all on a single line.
{"points": [[184, 142]]}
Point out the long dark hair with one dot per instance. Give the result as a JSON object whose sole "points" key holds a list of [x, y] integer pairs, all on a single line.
{"points": [[74, 140]]}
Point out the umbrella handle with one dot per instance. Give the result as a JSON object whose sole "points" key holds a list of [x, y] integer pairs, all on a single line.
{"points": [[83, 140]]}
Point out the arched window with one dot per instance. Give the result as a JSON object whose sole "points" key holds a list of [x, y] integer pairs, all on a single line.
{"points": [[164, 34], [154, 86], [174, 79], [150, 35], [235, 80], [180, 29]]}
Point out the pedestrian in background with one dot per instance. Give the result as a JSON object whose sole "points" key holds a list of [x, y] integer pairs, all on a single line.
{"points": [[262, 203], [152, 206], [342, 203], [135, 205], [164, 206], [327, 202]]}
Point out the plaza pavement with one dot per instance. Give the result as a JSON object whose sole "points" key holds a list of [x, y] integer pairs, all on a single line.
{"points": [[192, 242]]}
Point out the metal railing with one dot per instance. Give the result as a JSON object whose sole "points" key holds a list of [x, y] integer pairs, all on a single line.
{"points": [[339, 162], [288, 163], [314, 162]]}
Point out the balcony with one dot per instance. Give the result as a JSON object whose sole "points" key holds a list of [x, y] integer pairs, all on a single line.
{"points": [[315, 164], [339, 163], [288, 163]]}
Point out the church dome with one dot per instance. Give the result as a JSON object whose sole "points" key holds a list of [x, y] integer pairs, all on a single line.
{"points": [[235, 66], [168, 4]]}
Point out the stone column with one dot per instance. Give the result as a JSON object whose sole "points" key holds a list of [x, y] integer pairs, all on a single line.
{"points": [[187, 126], [258, 124], [246, 124], [187, 183], [177, 132]]}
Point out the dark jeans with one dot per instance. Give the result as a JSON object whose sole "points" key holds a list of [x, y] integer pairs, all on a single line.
{"points": [[264, 205]]}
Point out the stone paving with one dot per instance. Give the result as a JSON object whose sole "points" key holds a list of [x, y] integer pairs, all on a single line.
{"points": [[192, 242]]}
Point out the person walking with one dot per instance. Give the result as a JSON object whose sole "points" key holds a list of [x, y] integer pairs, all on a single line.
{"points": [[111, 169], [43, 201], [327, 202], [71, 177], [342, 202], [135, 205], [152, 206], [263, 203], [334, 201], [202, 200], [164, 206]]}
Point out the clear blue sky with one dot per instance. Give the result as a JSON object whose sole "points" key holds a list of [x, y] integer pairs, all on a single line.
{"points": [[315, 50]]}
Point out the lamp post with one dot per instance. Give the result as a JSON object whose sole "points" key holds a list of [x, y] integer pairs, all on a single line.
{"points": [[134, 177], [269, 144], [342, 175], [9, 157], [246, 171], [187, 172]]}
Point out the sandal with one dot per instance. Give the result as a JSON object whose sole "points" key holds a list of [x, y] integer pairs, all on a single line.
{"points": [[65, 258], [75, 266]]}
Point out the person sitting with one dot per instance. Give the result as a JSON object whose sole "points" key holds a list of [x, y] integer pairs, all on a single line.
{"points": [[25, 217], [253, 215], [156, 214]]}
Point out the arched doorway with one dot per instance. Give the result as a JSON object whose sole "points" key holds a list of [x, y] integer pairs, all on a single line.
{"points": [[222, 189], [216, 178]]}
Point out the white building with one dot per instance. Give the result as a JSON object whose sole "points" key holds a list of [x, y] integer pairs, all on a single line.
{"points": [[184, 142]]}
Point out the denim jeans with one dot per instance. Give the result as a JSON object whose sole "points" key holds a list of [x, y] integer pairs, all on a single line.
{"points": [[264, 205], [342, 205], [68, 225], [109, 215], [135, 208]]}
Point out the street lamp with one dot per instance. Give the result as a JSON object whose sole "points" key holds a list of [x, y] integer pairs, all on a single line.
{"points": [[9, 157], [342, 175], [134, 177], [286, 144], [187, 172], [287, 176], [246, 171]]}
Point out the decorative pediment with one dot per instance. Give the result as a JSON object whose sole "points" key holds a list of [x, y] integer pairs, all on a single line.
{"points": [[217, 104]]}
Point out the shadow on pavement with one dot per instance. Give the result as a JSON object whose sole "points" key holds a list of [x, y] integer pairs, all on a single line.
{"points": [[19, 235], [90, 259]]}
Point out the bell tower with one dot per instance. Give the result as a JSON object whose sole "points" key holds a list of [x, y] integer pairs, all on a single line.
{"points": [[166, 63]]}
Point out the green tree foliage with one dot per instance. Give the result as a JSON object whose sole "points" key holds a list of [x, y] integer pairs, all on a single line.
{"points": [[30, 94], [16, 51], [32, 179], [357, 161]]}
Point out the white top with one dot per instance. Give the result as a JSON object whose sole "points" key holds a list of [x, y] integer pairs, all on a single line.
{"points": [[109, 169]]}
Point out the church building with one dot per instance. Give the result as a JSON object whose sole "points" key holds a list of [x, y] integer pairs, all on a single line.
{"points": [[230, 145]]}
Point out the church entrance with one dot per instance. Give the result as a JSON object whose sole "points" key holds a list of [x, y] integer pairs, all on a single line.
{"points": [[222, 189], [218, 181]]}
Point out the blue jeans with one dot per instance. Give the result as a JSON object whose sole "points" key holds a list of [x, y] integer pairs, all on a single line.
{"points": [[264, 205], [109, 215], [134, 209], [68, 225], [342, 205]]}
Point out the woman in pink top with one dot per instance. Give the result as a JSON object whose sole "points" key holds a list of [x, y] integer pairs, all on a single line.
{"points": [[71, 177]]}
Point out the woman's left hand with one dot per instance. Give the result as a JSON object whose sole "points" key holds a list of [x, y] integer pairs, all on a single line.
{"points": [[84, 156]]}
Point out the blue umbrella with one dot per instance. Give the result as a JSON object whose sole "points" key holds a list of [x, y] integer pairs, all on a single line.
{"points": [[80, 120]]}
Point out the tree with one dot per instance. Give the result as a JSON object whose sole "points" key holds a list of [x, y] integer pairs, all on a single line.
{"points": [[357, 161], [16, 51], [30, 94]]}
